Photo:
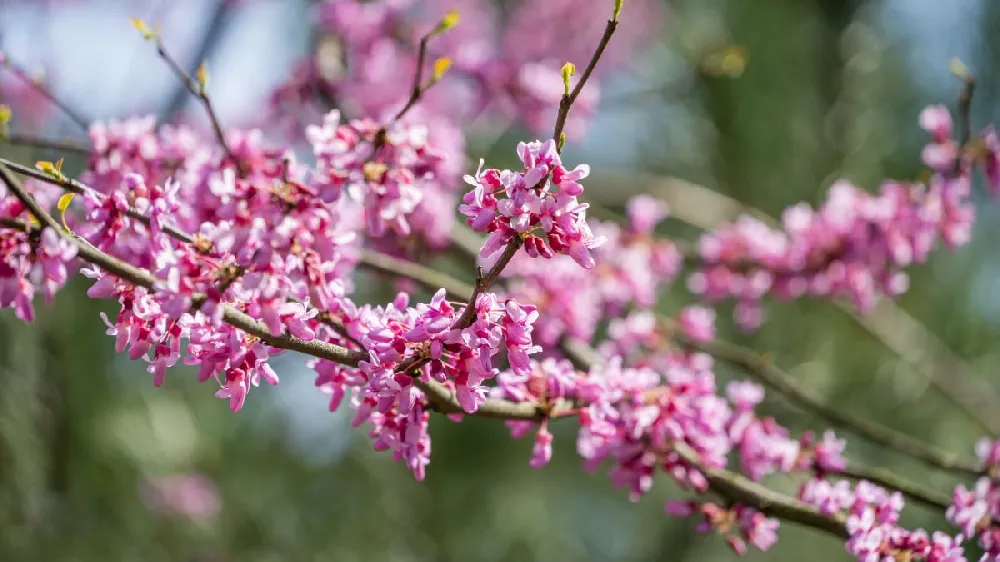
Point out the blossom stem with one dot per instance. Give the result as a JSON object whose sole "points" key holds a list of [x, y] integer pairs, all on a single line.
{"points": [[199, 93], [568, 99], [483, 282]]}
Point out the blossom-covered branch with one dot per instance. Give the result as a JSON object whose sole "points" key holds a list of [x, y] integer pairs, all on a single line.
{"points": [[223, 252]]}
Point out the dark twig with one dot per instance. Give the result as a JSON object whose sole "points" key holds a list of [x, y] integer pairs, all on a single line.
{"points": [[209, 42], [567, 100], [430, 279], [965, 106], [198, 91], [418, 86], [49, 144]]}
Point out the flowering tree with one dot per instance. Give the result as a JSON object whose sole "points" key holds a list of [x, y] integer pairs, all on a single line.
{"points": [[224, 250]]}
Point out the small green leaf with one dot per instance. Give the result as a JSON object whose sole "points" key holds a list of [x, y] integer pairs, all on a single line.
{"points": [[202, 75], [62, 205], [449, 21], [144, 29], [568, 70], [441, 66]]}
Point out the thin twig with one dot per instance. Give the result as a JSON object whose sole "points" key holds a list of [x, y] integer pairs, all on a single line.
{"points": [[209, 42], [198, 92], [49, 144], [567, 100], [418, 88], [484, 281], [37, 85], [965, 108], [14, 224]]}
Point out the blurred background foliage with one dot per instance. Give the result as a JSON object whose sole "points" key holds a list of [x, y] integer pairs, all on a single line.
{"points": [[765, 102]]}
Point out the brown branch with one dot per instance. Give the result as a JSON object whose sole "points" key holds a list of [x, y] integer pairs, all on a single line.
{"points": [[772, 376], [49, 144], [568, 99], [74, 186], [484, 281], [887, 479], [209, 42], [951, 375], [737, 488], [198, 92], [965, 108], [418, 88], [732, 486], [144, 279], [14, 224]]}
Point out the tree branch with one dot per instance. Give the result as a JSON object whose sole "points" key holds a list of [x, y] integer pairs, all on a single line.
{"points": [[144, 279], [74, 186], [483, 282], [770, 375], [209, 42], [48, 144], [198, 91], [887, 479], [925, 353]]}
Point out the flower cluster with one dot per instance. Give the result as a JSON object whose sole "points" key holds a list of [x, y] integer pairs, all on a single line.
{"points": [[503, 73], [407, 345], [753, 526], [638, 417], [510, 204], [976, 511], [872, 521], [30, 258], [388, 171], [631, 268], [855, 245]]}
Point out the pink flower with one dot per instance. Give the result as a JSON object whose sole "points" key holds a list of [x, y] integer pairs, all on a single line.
{"points": [[191, 496], [697, 323]]}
